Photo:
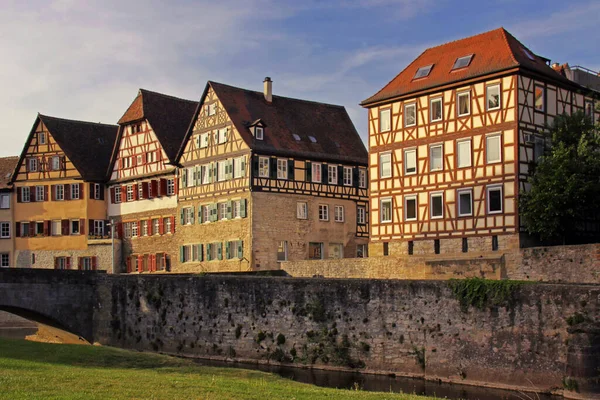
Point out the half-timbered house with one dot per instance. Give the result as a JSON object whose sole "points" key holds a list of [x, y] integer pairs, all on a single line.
{"points": [[451, 140], [7, 239], [59, 195], [143, 179], [265, 179]]}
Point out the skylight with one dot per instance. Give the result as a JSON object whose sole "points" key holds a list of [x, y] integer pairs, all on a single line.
{"points": [[296, 137], [462, 62], [528, 54], [312, 139], [423, 72]]}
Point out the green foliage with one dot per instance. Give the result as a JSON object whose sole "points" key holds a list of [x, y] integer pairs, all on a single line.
{"points": [[570, 384], [316, 310], [280, 339], [419, 354], [479, 292], [565, 184], [260, 337], [575, 319], [365, 347]]}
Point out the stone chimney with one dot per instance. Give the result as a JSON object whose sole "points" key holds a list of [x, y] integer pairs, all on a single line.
{"points": [[268, 89]]}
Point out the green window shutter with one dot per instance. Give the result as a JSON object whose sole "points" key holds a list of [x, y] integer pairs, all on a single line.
{"points": [[200, 214], [210, 172], [198, 175], [243, 208], [213, 212], [184, 177], [229, 209], [181, 254], [194, 177], [200, 252], [182, 215], [219, 251], [240, 245], [214, 167], [209, 252], [227, 252], [192, 215], [243, 166]]}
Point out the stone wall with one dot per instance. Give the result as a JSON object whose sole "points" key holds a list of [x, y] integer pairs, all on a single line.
{"points": [[411, 328]]}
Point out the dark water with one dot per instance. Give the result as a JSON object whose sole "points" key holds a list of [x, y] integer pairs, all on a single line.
{"points": [[382, 383]]}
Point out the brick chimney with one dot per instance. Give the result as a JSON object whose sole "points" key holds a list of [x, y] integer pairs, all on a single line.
{"points": [[268, 89]]}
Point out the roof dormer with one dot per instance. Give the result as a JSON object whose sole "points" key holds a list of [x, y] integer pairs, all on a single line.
{"points": [[257, 128]]}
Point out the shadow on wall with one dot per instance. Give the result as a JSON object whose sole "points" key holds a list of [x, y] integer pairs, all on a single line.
{"points": [[24, 259]]}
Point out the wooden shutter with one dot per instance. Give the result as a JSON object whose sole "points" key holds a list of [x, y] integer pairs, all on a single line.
{"points": [[120, 230], [182, 219], [229, 210], [17, 229], [67, 191], [308, 171], [145, 189], [68, 262], [291, 170], [161, 226], [128, 262], [53, 192], [123, 193], [79, 262], [82, 226], [31, 229], [47, 228], [32, 194], [81, 196], [340, 180], [172, 223], [135, 191], [200, 252], [240, 245], [219, 250], [324, 173], [101, 189], [163, 187], [355, 176], [209, 252], [273, 168], [140, 263], [94, 263], [227, 252], [255, 166], [91, 227], [64, 225], [181, 254], [192, 216], [45, 192], [243, 208], [19, 194], [112, 195], [200, 214], [154, 187], [92, 190]]}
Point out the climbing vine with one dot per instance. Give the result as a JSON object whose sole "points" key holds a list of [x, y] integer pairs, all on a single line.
{"points": [[481, 293]]}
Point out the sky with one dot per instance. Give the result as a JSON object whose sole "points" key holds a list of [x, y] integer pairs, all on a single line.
{"points": [[86, 60]]}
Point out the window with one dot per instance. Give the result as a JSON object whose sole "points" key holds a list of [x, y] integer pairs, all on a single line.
{"points": [[263, 167], [74, 224], [386, 210], [212, 251], [436, 110], [312, 139], [236, 209], [282, 251], [302, 210], [492, 97], [494, 199], [4, 230], [347, 176], [462, 62], [222, 210], [362, 250], [385, 165], [39, 228], [315, 250], [170, 187], [139, 160], [362, 178], [155, 226], [127, 162], [239, 165], [118, 198], [61, 263], [167, 224], [410, 161], [25, 229], [589, 110], [332, 174], [463, 153], [411, 247], [465, 245], [259, 133], [188, 216], [540, 92], [435, 158], [385, 120], [204, 140], [129, 192], [99, 227], [423, 71], [4, 260], [205, 173], [222, 135], [56, 228], [386, 248], [361, 215], [528, 54], [437, 205], [296, 137], [494, 243], [149, 157], [33, 164], [127, 229], [86, 263], [39, 193], [59, 192], [323, 212], [465, 203], [410, 208], [75, 191], [338, 214], [234, 249], [41, 137], [336, 250], [436, 246], [282, 168], [492, 149], [55, 163], [221, 167], [464, 104], [316, 172], [4, 201], [97, 188], [410, 114], [140, 191], [25, 194], [210, 109], [206, 213]]}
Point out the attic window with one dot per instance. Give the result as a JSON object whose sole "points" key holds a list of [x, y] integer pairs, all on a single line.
{"points": [[528, 54], [462, 62], [259, 133], [42, 138], [313, 139], [423, 72], [296, 137]]}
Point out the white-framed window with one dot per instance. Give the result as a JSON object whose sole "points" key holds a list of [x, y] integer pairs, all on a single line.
{"points": [[362, 250], [492, 97], [56, 227], [336, 250], [361, 215], [170, 187], [236, 208], [323, 212], [263, 167], [188, 216], [436, 203], [204, 138], [282, 251], [410, 161], [75, 191], [210, 109], [385, 165], [25, 194], [347, 176], [316, 172], [118, 198], [39, 228], [24, 229], [222, 210], [4, 260], [99, 227], [86, 263], [167, 225], [332, 177], [386, 210], [75, 228], [221, 168], [302, 210], [410, 208], [41, 137], [206, 213], [493, 146], [362, 178], [129, 192], [465, 202], [33, 164], [463, 153], [4, 230], [540, 98], [436, 162], [97, 191], [494, 199], [282, 168], [239, 166], [222, 134], [150, 157], [205, 173], [4, 201], [155, 226], [126, 162], [39, 193], [259, 133], [140, 191], [385, 119], [463, 102], [59, 192], [338, 214], [436, 110], [410, 114], [55, 163]]}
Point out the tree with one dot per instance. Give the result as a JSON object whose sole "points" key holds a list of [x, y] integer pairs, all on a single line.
{"points": [[565, 185]]}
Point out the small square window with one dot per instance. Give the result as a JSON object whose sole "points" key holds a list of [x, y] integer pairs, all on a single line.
{"points": [[410, 114], [494, 200], [41, 137], [436, 113], [423, 71], [462, 62], [259, 133], [492, 97], [464, 103], [437, 205], [362, 178], [385, 120]]}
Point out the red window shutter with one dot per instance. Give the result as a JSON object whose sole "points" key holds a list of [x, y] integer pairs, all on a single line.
{"points": [[101, 189], [81, 196], [31, 228], [172, 224], [128, 261], [135, 191], [68, 262], [17, 229], [55, 263], [161, 226], [79, 263], [123, 193], [175, 186], [47, 228], [154, 184], [82, 226], [67, 195], [32, 194], [120, 163], [18, 194], [112, 195], [63, 162], [65, 226], [53, 192], [145, 189], [163, 187], [140, 263], [94, 263], [134, 161], [45, 192]]}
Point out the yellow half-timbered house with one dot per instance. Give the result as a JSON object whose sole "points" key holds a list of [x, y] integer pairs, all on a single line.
{"points": [[451, 139]]}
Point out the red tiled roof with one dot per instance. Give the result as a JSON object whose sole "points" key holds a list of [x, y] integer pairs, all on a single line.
{"points": [[7, 167], [493, 51], [335, 136]]}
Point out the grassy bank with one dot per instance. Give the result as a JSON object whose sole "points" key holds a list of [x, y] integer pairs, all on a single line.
{"points": [[40, 371]]}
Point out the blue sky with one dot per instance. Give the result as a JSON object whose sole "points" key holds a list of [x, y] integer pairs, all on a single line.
{"points": [[86, 59]]}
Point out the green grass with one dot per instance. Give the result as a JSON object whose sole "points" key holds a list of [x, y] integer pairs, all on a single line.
{"points": [[31, 370]]}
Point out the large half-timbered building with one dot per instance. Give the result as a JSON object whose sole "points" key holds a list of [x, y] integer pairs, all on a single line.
{"points": [[451, 140], [59, 196], [143, 179], [265, 179]]}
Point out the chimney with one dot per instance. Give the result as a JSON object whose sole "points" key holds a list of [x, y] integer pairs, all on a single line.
{"points": [[268, 89]]}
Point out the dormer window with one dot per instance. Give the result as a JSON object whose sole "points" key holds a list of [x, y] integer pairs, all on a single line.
{"points": [[423, 72], [528, 54], [296, 137], [259, 133], [313, 139], [462, 62]]}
